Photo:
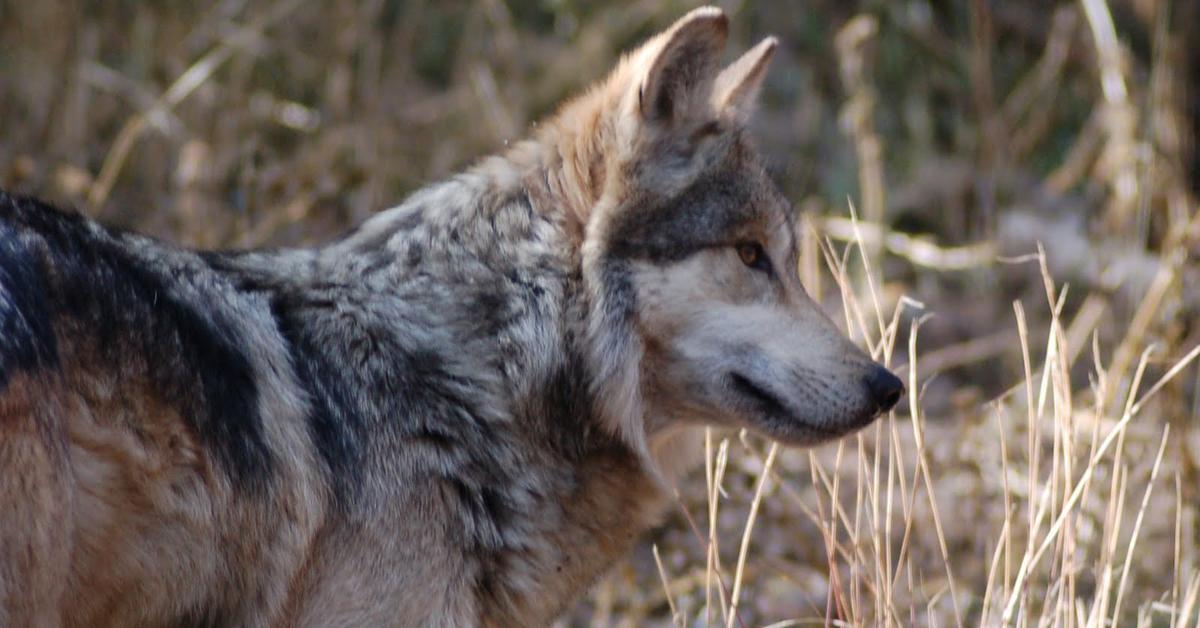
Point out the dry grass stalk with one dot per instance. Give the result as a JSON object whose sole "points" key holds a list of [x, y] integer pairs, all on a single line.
{"points": [[1120, 119]]}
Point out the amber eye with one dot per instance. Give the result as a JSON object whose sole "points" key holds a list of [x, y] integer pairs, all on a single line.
{"points": [[753, 255]]}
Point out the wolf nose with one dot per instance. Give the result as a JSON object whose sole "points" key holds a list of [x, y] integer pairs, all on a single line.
{"points": [[885, 388]]}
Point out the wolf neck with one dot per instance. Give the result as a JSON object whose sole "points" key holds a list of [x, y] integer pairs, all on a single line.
{"points": [[512, 227], [569, 156], [576, 168], [574, 163]]}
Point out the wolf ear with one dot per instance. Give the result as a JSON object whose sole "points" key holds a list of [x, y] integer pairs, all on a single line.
{"points": [[737, 87], [681, 69]]}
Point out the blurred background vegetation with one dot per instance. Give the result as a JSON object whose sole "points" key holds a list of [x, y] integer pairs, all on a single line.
{"points": [[962, 132]]}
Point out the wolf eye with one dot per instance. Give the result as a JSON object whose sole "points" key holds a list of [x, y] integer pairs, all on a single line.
{"points": [[753, 255]]}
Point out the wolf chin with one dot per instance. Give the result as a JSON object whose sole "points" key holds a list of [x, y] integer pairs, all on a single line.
{"points": [[459, 414]]}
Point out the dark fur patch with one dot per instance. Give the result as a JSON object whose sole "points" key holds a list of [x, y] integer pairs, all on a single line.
{"points": [[495, 310], [416, 253], [26, 338], [713, 211], [333, 421], [570, 405], [131, 312], [368, 388]]}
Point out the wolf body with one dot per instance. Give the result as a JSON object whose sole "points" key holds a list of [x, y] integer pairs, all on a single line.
{"points": [[458, 414]]}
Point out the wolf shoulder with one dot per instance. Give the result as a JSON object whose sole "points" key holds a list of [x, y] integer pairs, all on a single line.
{"points": [[108, 316]]}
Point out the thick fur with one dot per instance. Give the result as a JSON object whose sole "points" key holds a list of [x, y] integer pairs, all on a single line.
{"points": [[458, 414]]}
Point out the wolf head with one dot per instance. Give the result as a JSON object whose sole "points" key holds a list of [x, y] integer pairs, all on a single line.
{"points": [[697, 315]]}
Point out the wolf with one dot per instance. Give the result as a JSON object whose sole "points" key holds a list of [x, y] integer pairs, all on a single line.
{"points": [[458, 414]]}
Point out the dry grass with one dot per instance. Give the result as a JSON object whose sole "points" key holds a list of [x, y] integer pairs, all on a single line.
{"points": [[1025, 257]]}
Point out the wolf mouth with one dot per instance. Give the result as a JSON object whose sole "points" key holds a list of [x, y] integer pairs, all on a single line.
{"points": [[775, 410], [766, 401]]}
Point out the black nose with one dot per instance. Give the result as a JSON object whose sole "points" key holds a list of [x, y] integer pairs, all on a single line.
{"points": [[885, 388]]}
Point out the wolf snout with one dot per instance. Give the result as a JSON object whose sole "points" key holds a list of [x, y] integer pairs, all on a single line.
{"points": [[885, 388]]}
